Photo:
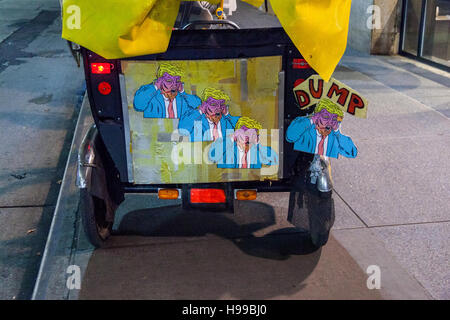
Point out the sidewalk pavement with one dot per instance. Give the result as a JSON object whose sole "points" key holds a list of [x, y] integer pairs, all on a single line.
{"points": [[399, 185]]}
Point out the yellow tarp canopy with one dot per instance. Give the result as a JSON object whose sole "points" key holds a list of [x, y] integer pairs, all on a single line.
{"points": [[125, 28]]}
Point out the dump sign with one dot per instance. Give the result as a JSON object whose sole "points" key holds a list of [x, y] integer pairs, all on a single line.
{"points": [[313, 89]]}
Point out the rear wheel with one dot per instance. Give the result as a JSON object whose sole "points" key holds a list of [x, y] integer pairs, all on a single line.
{"points": [[312, 212], [93, 216]]}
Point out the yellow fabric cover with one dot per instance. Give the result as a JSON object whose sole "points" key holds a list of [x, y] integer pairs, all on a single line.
{"points": [[318, 28], [117, 28], [125, 28]]}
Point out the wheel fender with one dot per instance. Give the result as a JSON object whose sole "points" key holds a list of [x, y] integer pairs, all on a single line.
{"points": [[86, 158]]}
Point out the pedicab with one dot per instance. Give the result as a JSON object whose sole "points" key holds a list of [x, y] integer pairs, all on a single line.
{"points": [[218, 114]]}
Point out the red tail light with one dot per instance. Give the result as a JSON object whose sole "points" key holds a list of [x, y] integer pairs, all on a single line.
{"points": [[101, 68], [104, 88], [300, 64], [208, 196]]}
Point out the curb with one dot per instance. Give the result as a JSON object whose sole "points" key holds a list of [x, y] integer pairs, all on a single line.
{"points": [[51, 280]]}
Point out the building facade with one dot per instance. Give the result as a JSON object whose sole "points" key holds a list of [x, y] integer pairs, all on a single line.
{"points": [[416, 28]]}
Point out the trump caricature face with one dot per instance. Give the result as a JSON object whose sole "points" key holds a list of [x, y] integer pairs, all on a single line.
{"points": [[169, 85], [245, 138], [213, 109], [325, 122]]}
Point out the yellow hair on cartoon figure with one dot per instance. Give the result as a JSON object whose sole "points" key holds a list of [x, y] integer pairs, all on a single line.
{"points": [[215, 94], [249, 123], [330, 106], [171, 69]]}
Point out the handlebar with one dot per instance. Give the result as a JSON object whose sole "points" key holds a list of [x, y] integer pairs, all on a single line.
{"points": [[212, 22]]}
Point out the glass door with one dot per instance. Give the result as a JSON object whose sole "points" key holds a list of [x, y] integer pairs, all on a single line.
{"points": [[426, 30], [412, 26], [436, 40]]}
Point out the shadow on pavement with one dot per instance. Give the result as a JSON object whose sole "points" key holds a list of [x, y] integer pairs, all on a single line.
{"points": [[168, 253]]}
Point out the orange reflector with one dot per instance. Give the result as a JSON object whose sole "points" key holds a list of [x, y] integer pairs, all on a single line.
{"points": [[168, 194], [207, 196], [246, 194]]}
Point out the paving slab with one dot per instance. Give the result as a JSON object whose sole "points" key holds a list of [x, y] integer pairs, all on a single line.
{"points": [[418, 81], [398, 176], [424, 251], [367, 250], [418, 68], [440, 103], [383, 100], [397, 181], [345, 217]]}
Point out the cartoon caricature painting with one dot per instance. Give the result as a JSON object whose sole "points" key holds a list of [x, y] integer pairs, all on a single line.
{"points": [[242, 148], [180, 110], [165, 97], [321, 134], [211, 120]]}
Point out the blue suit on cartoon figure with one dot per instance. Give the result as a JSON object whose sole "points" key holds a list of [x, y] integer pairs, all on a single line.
{"points": [[166, 92], [196, 124], [143, 96], [226, 155], [302, 132], [185, 102]]}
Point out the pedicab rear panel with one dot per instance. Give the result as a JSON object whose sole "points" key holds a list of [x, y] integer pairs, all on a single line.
{"points": [[205, 122], [155, 142], [219, 116]]}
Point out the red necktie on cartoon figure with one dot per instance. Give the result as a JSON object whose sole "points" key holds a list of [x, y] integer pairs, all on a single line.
{"points": [[321, 144], [215, 132], [170, 110], [244, 160]]}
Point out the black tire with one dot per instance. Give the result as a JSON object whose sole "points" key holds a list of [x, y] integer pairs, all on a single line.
{"points": [[321, 217], [312, 212], [93, 216]]}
